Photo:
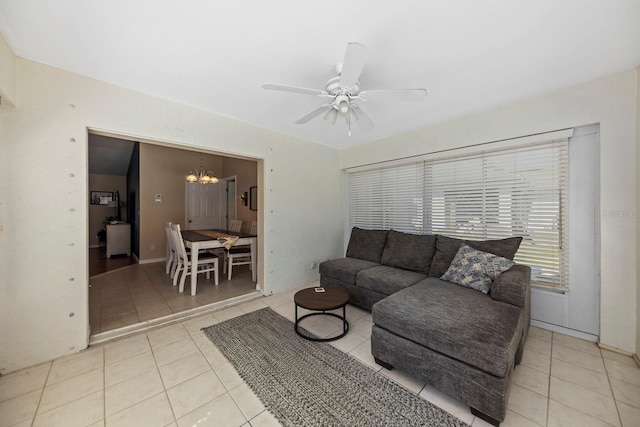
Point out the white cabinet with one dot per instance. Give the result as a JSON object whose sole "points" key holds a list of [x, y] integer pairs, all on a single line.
{"points": [[118, 239]]}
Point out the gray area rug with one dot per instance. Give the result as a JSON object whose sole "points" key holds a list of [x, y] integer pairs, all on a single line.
{"points": [[305, 383]]}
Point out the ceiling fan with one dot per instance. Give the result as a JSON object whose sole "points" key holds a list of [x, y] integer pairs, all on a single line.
{"points": [[344, 91]]}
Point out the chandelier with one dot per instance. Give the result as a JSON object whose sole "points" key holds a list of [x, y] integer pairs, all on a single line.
{"points": [[202, 176]]}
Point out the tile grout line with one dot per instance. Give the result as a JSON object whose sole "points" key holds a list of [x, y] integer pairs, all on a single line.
{"points": [[217, 376], [602, 358], [153, 353], [153, 282], [35, 414], [524, 416], [615, 401], [104, 386], [546, 422], [131, 295], [122, 381], [135, 305], [536, 369], [63, 380], [211, 368], [158, 290]]}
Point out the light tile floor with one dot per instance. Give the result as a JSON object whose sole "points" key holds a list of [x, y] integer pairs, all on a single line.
{"points": [[174, 376]]}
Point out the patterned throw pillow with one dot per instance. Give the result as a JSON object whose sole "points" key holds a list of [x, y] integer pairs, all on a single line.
{"points": [[475, 269]]}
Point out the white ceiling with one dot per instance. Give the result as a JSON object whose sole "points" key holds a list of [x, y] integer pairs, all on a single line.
{"points": [[469, 54]]}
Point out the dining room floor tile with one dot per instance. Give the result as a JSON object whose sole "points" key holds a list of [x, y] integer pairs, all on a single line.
{"points": [[141, 292]]}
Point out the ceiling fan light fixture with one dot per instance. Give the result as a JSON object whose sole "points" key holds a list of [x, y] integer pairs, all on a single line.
{"points": [[345, 91], [331, 116], [342, 104]]}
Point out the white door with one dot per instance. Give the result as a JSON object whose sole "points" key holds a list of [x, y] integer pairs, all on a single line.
{"points": [[202, 206]]}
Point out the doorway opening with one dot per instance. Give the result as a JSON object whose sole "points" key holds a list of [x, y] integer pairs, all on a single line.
{"points": [[152, 191]]}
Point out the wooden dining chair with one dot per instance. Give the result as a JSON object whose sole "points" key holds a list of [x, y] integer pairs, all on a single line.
{"points": [[240, 255], [235, 225], [207, 260], [171, 263], [171, 257]]}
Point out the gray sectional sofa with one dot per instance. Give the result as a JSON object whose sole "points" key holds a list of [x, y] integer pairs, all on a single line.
{"points": [[460, 340]]}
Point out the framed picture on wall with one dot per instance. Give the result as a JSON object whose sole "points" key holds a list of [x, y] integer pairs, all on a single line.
{"points": [[253, 198], [101, 197]]}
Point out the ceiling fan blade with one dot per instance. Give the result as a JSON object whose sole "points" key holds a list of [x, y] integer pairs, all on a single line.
{"points": [[402, 94], [362, 119], [354, 60], [316, 112], [294, 89]]}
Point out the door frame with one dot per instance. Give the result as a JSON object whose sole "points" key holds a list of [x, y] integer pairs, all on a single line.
{"points": [[260, 286]]}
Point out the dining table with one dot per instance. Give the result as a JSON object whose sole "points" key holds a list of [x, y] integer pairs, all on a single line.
{"points": [[215, 238]]}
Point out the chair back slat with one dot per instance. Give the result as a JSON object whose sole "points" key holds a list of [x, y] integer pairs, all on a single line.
{"points": [[167, 229], [235, 225], [178, 243]]}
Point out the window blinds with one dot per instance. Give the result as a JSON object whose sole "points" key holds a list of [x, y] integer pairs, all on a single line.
{"points": [[519, 191], [388, 198]]}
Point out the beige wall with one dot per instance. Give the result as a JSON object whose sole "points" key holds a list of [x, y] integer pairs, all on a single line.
{"points": [[7, 73], [162, 170], [97, 213], [43, 310], [246, 172], [612, 103]]}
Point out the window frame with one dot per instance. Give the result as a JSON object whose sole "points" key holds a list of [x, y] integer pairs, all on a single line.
{"points": [[424, 215]]}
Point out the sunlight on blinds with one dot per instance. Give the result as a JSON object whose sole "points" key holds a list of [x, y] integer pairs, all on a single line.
{"points": [[490, 195]]}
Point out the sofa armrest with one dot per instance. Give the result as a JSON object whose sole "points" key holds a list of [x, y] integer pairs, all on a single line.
{"points": [[513, 286]]}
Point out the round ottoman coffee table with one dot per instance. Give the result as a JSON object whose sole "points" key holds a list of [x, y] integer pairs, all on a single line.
{"points": [[321, 302]]}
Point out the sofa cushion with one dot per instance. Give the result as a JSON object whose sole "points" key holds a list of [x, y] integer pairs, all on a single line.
{"points": [[475, 269], [447, 248], [409, 251], [387, 280], [345, 269], [458, 322], [512, 286], [366, 244]]}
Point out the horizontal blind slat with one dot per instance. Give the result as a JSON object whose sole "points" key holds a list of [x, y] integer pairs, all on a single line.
{"points": [[520, 191]]}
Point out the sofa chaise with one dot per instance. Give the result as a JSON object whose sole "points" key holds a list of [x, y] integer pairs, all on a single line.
{"points": [[452, 312]]}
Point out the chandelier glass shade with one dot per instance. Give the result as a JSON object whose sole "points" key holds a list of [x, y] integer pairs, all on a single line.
{"points": [[202, 176]]}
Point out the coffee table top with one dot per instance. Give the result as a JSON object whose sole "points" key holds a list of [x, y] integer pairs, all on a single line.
{"points": [[330, 299]]}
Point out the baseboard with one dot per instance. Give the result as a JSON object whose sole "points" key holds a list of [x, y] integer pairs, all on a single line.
{"points": [[614, 349], [586, 337], [151, 261], [562, 330]]}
